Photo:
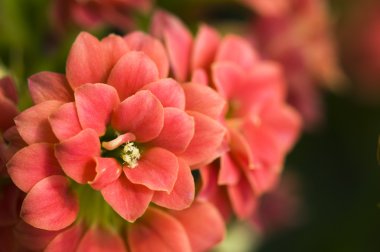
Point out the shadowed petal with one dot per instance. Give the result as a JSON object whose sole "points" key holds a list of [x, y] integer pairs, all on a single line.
{"points": [[8, 112], [243, 198], [157, 230], [8, 88], [87, 61], [141, 114], [152, 47], [67, 240], [95, 103], [131, 73], [46, 86], [64, 121], [177, 132], [107, 171], [129, 200], [183, 191], [100, 240], [50, 204], [169, 92], [203, 224], [75, 155], [157, 169], [33, 124], [205, 46], [32, 164]]}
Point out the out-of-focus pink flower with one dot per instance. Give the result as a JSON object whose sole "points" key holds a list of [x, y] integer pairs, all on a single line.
{"points": [[301, 40], [95, 13], [262, 128], [361, 52], [269, 7], [129, 139], [197, 228]]}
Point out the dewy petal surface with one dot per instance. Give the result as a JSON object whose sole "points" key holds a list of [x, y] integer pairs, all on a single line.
{"points": [[141, 114], [46, 86], [95, 103], [65, 122], [32, 164], [99, 240], [50, 204], [157, 169], [158, 229]]}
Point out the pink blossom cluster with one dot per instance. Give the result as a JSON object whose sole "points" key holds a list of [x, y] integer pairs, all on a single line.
{"points": [[147, 142]]}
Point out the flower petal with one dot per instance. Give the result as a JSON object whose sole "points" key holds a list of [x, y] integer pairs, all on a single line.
{"points": [[32, 164], [50, 204], [100, 240], [95, 103], [228, 78], [75, 155], [157, 229], [129, 200], [208, 137], [152, 47], [87, 61], [67, 240], [229, 171], [8, 112], [157, 169], [131, 73], [45, 86], [168, 91], [33, 124], [64, 121], [205, 46], [177, 132], [204, 100], [243, 198], [178, 41], [203, 224], [183, 191], [107, 171], [115, 47], [141, 114], [8, 88]]}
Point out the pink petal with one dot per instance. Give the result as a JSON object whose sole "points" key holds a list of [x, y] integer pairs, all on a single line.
{"points": [[8, 88], [241, 149], [178, 41], [169, 92], [131, 73], [95, 104], [115, 47], [8, 112], [100, 240], [46, 86], [183, 191], [76, 155], [33, 124], [50, 204], [141, 114], [229, 171], [208, 138], [118, 141], [64, 121], [236, 49], [129, 200], [87, 61], [157, 231], [67, 240], [203, 224], [205, 46], [199, 76], [32, 164], [177, 132], [243, 198], [157, 169], [204, 100], [228, 78], [152, 47], [107, 171]]}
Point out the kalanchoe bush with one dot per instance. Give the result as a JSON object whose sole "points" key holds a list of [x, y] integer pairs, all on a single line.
{"points": [[147, 141]]}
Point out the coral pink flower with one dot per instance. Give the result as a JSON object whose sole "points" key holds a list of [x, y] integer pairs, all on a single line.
{"points": [[269, 7], [129, 139], [262, 128], [94, 13]]}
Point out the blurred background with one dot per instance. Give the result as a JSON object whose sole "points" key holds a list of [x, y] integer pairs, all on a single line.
{"points": [[329, 198]]}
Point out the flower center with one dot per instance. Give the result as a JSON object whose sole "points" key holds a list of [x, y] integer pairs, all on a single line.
{"points": [[130, 154]]}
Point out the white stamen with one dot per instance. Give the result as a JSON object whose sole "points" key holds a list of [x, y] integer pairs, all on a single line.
{"points": [[130, 155]]}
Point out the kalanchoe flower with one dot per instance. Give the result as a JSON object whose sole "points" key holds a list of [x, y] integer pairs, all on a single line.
{"points": [[113, 130], [262, 127]]}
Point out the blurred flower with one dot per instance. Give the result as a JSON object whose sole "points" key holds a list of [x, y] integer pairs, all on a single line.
{"points": [[94, 13], [130, 139], [269, 7], [262, 128]]}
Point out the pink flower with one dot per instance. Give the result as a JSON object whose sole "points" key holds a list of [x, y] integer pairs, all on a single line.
{"points": [[130, 139], [262, 127], [269, 7]]}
